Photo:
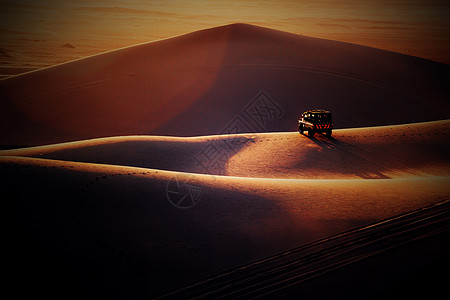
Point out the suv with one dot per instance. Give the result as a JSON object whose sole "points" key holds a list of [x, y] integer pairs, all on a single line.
{"points": [[317, 120]]}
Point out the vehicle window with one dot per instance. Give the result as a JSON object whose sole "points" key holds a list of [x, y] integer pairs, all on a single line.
{"points": [[323, 117]]}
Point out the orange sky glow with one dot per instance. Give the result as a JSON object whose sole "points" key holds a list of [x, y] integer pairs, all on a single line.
{"points": [[33, 32]]}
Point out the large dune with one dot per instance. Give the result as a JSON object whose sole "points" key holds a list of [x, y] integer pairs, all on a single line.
{"points": [[143, 215], [232, 78]]}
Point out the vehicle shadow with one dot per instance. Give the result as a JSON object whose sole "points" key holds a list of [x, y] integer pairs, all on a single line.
{"points": [[345, 158]]}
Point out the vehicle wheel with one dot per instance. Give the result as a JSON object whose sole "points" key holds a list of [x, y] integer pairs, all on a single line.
{"points": [[311, 132], [329, 133], [300, 128]]}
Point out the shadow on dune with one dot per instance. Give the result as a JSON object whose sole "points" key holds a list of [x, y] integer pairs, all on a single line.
{"points": [[115, 232], [205, 155], [353, 161], [119, 237]]}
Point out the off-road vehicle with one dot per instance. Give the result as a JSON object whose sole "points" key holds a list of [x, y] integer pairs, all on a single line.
{"points": [[317, 120]]}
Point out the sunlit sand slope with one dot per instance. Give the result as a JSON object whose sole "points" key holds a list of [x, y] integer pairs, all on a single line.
{"points": [[375, 152]]}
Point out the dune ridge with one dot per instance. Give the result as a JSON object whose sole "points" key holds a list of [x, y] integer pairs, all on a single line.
{"points": [[374, 152]]}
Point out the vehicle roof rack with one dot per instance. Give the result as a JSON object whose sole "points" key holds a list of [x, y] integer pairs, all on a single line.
{"points": [[318, 111]]}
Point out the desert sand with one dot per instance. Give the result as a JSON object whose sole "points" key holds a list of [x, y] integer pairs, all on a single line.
{"points": [[198, 83], [150, 169]]}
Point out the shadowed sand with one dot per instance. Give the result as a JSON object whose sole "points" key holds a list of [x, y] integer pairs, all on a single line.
{"points": [[111, 204], [412, 246]]}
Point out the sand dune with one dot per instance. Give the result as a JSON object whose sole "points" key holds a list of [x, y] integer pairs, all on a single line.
{"points": [[119, 222], [138, 213], [199, 83], [375, 152]]}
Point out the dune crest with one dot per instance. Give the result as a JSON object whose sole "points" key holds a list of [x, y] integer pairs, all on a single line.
{"points": [[372, 153]]}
